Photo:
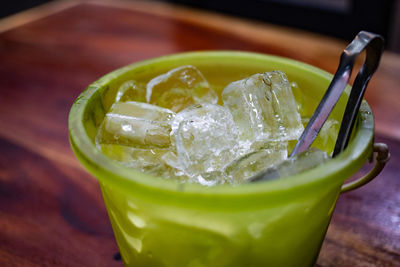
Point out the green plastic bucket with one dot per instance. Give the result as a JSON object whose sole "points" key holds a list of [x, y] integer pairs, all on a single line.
{"points": [[159, 222]]}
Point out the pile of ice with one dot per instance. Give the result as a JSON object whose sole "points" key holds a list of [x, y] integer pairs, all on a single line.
{"points": [[173, 126]]}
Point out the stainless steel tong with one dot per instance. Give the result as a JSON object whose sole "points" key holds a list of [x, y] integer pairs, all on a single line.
{"points": [[373, 44]]}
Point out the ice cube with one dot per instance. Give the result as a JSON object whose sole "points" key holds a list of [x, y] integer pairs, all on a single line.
{"points": [[131, 91], [138, 158], [212, 178], [294, 165], [171, 159], [136, 124], [184, 85], [206, 138], [263, 107], [257, 161], [299, 96], [327, 136], [176, 99], [150, 161]]}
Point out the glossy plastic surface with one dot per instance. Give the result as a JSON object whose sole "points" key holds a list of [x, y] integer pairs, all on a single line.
{"points": [[158, 222]]}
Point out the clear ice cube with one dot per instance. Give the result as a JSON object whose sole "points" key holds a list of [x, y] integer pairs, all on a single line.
{"points": [[212, 178], [138, 158], [184, 85], [206, 138], [131, 91], [294, 165], [176, 99], [327, 136], [257, 161], [146, 160], [263, 107], [171, 160], [136, 124], [299, 97]]}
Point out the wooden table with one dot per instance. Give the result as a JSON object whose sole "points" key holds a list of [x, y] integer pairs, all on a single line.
{"points": [[51, 210]]}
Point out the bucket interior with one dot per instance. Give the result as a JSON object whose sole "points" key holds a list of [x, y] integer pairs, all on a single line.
{"points": [[219, 68]]}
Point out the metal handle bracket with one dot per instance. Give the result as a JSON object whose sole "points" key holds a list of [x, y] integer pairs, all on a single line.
{"points": [[381, 159]]}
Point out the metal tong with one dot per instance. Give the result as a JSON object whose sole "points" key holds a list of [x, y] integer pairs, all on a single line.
{"points": [[373, 44]]}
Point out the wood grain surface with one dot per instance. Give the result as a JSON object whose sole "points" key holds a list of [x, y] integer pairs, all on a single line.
{"points": [[51, 210]]}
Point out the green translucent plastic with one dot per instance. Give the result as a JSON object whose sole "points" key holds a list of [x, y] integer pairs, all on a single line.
{"points": [[159, 222]]}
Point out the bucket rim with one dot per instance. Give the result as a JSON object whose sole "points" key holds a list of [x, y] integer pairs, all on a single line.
{"points": [[112, 173]]}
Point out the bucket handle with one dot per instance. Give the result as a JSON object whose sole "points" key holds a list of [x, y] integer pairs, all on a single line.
{"points": [[381, 159]]}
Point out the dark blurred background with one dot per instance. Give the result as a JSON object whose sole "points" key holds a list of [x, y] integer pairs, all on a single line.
{"points": [[11, 7], [338, 18]]}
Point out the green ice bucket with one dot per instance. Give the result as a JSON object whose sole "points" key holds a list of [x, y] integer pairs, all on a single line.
{"points": [[160, 222]]}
